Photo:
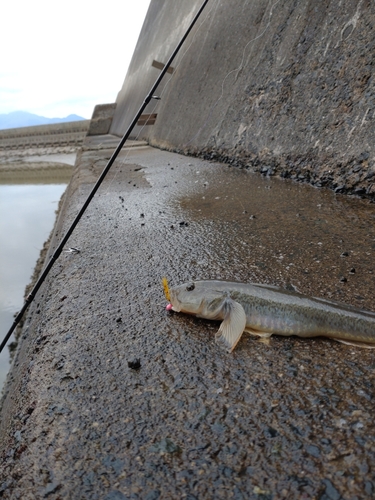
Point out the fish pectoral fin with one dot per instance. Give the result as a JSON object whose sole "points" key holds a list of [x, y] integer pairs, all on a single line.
{"points": [[232, 327]]}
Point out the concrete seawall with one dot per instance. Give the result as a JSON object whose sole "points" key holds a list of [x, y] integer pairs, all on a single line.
{"points": [[110, 397], [44, 136], [282, 88]]}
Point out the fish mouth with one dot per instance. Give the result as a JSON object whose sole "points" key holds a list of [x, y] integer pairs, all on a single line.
{"points": [[184, 303], [194, 311], [178, 307]]}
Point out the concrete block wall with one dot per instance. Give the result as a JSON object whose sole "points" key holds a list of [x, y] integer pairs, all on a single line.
{"points": [[41, 136], [282, 88], [101, 119]]}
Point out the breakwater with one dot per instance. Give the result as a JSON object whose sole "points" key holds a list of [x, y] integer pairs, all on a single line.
{"points": [[69, 134]]}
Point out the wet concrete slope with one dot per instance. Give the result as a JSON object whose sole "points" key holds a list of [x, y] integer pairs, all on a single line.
{"points": [[112, 397], [283, 86]]}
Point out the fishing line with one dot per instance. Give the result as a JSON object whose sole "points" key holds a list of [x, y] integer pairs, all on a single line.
{"points": [[123, 160], [119, 165], [64, 240], [165, 89]]}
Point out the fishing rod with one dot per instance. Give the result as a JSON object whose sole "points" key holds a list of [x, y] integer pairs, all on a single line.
{"points": [[59, 249]]}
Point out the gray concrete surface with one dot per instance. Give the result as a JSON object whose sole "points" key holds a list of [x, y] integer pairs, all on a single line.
{"points": [[282, 86], [292, 419]]}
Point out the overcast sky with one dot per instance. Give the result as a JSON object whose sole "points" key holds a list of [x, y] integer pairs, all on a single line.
{"points": [[59, 58]]}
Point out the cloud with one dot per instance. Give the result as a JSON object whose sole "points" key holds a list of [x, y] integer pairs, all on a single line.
{"points": [[66, 58]]}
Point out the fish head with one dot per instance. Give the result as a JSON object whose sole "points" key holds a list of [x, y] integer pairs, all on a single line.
{"points": [[196, 298]]}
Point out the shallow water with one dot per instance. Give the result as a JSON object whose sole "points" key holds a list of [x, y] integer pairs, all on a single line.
{"points": [[312, 239], [27, 216]]}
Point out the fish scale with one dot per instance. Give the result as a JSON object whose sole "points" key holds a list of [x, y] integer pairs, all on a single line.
{"points": [[264, 310]]}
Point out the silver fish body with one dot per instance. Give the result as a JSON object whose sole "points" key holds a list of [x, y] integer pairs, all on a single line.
{"points": [[265, 310]]}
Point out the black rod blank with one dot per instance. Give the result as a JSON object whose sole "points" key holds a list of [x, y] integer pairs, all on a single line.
{"points": [[60, 247]]}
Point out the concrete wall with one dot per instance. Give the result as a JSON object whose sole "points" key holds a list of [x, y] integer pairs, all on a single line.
{"points": [[284, 88], [164, 25], [101, 119], [59, 134]]}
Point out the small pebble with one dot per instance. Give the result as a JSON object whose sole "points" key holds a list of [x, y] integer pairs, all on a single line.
{"points": [[135, 364]]}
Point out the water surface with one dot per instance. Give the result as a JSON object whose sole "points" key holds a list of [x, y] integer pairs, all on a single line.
{"points": [[27, 216]]}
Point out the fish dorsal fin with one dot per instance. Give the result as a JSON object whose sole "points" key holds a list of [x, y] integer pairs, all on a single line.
{"points": [[232, 327]]}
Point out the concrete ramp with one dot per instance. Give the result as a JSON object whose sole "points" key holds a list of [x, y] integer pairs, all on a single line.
{"points": [[112, 397]]}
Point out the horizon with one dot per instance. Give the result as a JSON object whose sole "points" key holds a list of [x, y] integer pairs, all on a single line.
{"points": [[20, 119]]}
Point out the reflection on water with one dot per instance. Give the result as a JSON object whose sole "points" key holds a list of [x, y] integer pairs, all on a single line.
{"points": [[38, 173], [27, 216], [279, 232]]}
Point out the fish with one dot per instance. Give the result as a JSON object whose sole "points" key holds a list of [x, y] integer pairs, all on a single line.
{"points": [[264, 310]]}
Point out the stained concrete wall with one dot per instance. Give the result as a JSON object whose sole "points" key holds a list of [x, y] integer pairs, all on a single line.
{"points": [[284, 88], [101, 119], [162, 29]]}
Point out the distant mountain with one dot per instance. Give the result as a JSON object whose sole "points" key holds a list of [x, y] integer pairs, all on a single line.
{"points": [[25, 119]]}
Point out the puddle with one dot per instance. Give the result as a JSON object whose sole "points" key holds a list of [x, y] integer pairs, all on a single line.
{"points": [[281, 232]]}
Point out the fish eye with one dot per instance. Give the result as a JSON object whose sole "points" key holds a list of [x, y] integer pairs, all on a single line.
{"points": [[190, 287]]}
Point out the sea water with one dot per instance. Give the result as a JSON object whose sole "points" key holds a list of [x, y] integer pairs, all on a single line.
{"points": [[27, 216]]}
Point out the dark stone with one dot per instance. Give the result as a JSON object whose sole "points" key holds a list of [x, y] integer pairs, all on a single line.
{"points": [[115, 495], [51, 488], [271, 432], [313, 450], [153, 495], [134, 364], [166, 445], [330, 490]]}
